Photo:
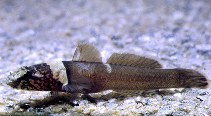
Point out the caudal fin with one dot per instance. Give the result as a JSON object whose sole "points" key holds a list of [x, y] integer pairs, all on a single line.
{"points": [[192, 79]]}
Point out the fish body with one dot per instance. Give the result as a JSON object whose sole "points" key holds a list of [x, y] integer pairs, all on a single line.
{"points": [[118, 77], [87, 74]]}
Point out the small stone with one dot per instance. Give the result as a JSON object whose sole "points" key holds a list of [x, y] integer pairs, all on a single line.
{"points": [[199, 98]]}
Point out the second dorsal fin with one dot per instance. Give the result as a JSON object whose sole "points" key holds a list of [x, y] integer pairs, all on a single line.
{"points": [[87, 53], [133, 60]]}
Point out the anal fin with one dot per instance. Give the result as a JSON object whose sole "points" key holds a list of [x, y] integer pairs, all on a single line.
{"points": [[127, 59]]}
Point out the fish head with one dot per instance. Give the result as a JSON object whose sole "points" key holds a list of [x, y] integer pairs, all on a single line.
{"points": [[37, 77]]}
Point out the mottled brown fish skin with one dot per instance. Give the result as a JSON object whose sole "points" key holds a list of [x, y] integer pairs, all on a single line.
{"points": [[37, 77], [118, 77]]}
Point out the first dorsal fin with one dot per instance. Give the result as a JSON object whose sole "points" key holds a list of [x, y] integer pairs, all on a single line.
{"points": [[127, 59], [87, 53]]}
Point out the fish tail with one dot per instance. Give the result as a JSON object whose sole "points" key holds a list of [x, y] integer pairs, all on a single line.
{"points": [[192, 79]]}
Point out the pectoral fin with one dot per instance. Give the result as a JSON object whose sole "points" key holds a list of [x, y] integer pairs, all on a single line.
{"points": [[127, 59], [78, 85], [87, 53]]}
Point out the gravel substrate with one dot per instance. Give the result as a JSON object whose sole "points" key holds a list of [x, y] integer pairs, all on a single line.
{"points": [[176, 32]]}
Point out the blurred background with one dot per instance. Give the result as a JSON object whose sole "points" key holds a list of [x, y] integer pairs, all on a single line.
{"points": [[176, 32]]}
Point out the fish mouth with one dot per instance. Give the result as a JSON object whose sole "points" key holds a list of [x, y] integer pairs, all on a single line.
{"points": [[11, 84], [12, 81], [12, 78]]}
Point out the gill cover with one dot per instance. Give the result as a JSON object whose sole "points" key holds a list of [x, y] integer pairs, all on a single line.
{"points": [[78, 82]]}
